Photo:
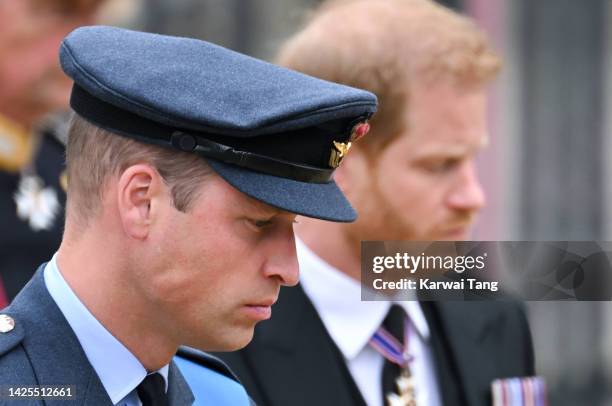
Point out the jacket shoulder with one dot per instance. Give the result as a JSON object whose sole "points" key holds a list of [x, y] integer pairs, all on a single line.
{"points": [[210, 380], [15, 366], [206, 360]]}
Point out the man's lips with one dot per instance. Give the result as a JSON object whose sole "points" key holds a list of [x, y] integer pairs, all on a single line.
{"points": [[459, 232], [260, 310], [456, 231]]}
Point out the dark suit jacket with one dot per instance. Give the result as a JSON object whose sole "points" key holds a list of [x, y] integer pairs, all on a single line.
{"points": [[21, 248], [293, 361], [42, 349]]}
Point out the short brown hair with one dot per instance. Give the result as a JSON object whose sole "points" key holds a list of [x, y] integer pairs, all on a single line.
{"points": [[94, 154], [385, 46]]}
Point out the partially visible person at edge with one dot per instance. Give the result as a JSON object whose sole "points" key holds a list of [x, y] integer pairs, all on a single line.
{"points": [[185, 175], [32, 178], [412, 178]]}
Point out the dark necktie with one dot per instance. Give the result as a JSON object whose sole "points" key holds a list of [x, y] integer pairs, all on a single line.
{"points": [[151, 391], [394, 324], [389, 341]]}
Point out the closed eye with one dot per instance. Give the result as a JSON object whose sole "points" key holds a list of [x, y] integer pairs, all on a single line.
{"points": [[259, 225], [262, 223], [440, 166]]}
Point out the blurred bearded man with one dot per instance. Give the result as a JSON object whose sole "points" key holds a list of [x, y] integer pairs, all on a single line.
{"points": [[412, 178]]}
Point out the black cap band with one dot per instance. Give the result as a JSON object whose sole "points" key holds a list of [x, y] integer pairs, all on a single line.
{"points": [[260, 163], [127, 124]]}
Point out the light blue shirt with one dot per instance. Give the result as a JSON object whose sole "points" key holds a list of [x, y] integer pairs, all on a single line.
{"points": [[118, 369]]}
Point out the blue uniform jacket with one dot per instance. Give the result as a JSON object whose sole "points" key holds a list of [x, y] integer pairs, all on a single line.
{"points": [[43, 350]]}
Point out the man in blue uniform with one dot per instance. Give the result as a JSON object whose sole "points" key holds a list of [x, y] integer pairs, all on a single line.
{"points": [[187, 164]]}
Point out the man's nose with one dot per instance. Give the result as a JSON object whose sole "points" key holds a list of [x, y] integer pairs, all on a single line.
{"points": [[282, 261], [467, 194]]}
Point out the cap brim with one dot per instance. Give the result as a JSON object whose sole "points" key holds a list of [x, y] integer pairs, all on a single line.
{"points": [[323, 201]]}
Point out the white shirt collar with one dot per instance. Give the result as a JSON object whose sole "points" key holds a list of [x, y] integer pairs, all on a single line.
{"points": [[118, 369], [336, 296]]}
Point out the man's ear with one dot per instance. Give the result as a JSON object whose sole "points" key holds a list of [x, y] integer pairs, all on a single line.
{"points": [[139, 190]]}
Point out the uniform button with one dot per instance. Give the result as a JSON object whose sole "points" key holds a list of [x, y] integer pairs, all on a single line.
{"points": [[6, 323]]}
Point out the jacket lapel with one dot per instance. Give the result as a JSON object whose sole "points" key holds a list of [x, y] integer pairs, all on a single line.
{"points": [[463, 345], [179, 393], [52, 347], [294, 348]]}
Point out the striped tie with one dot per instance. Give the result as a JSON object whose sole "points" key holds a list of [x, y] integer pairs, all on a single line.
{"points": [[391, 341]]}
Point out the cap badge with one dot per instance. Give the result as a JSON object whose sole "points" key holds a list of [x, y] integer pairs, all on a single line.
{"points": [[6, 323], [359, 130], [338, 153]]}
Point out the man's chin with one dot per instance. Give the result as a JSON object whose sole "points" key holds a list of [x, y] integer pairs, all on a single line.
{"points": [[239, 344], [229, 342]]}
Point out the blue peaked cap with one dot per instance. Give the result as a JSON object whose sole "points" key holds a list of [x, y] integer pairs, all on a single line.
{"points": [[274, 134]]}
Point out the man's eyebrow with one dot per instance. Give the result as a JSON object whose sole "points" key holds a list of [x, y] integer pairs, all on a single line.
{"points": [[453, 150]]}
